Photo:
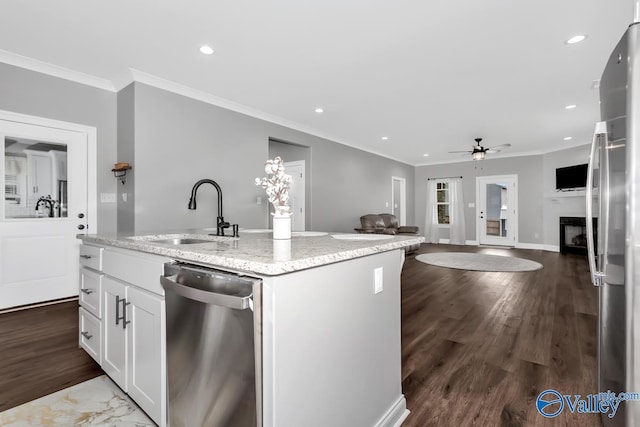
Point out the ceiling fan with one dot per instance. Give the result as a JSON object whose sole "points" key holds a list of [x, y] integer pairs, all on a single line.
{"points": [[478, 151]]}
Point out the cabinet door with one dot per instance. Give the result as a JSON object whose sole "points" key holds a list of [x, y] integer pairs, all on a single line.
{"points": [[115, 335], [146, 381], [40, 175]]}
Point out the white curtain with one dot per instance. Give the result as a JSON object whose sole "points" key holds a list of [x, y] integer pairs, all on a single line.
{"points": [[431, 231], [457, 232]]}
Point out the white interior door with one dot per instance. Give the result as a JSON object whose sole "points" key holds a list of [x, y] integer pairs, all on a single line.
{"points": [[398, 199], [297, 195], [497, 210], [44, 172]]}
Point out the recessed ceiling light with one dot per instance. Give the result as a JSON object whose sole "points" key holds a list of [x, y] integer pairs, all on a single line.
{"points": [[576, 39], [384, 138], [319, 110], [207, 50], [425, 155], [568, 138], [570, 107]]}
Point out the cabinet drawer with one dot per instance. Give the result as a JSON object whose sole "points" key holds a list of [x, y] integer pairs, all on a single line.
{"points": [[90, 335], [91, 256], [135, 268], [91, 291]]}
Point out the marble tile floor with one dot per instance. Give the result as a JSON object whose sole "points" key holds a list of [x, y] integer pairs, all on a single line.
{"points": [[97, 402]]}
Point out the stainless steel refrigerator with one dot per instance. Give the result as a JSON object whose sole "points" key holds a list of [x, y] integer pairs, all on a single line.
{"points": [[613, 197]]}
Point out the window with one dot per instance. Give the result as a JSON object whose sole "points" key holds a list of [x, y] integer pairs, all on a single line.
{"points": [[442, 201]]}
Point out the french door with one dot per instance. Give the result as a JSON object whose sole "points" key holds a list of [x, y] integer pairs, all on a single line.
{"points": [[44, 172], [497, 210]]}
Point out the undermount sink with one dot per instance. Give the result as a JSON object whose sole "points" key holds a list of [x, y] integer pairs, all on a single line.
{"points": [[362, 236], [180, 241]]}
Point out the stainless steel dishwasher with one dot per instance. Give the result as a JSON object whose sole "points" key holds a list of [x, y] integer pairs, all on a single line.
{"points": [[213, 347]]}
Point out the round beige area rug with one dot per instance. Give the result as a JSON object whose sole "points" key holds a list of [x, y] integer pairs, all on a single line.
{"points": [[478, 262]]}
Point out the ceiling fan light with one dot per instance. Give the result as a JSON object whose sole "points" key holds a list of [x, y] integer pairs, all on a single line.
{"points": [[478, 155]]}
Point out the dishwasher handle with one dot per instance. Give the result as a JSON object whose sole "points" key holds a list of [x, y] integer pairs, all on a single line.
{"points": [[229, 301]]}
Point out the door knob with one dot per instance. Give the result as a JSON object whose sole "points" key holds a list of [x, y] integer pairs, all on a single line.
{"points": [[81, 227], [80, 215]]}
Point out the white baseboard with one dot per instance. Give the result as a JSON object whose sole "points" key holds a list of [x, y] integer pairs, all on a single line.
{"points": [[396, 415], [535, 246], [519, 245], [466, 242], [538, 246]]}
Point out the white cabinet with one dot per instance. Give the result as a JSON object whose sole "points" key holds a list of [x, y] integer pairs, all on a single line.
{"points": [[114, 363], [130, 318], [90, 334], [146, 352], [134, 345], [40, 178]]}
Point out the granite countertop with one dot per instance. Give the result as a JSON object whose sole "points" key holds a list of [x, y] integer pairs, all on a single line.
{"points": [[257, 252]]}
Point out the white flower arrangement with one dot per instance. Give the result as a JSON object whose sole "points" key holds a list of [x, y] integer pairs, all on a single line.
{"points": [[276, 184]]}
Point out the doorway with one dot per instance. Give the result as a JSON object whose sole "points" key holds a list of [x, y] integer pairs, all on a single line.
{"points": [[497, 210], [45, 171], [399, 199], [297, 193]]}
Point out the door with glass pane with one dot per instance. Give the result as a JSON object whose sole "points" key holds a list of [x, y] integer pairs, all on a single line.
{"points": [[44, 172], [497, 208]]}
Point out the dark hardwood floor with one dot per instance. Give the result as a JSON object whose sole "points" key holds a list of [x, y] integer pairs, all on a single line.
{"points": [[39, 353], [478, 347]]}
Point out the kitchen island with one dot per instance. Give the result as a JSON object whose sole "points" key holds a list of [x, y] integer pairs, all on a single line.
{"points": [[328, 328]]}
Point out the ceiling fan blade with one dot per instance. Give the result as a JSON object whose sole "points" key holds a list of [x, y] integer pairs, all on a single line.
{"points": [[499, 146], [492, 150], [454, 152]]}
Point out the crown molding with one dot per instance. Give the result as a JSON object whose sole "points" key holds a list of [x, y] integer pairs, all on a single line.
{"points": [[179, 89], [55, 70]]}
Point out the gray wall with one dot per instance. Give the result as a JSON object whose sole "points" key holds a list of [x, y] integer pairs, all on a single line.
{"points": [[539, 205], [179, 140], [530, 190], [36, 94], [126, 153]]}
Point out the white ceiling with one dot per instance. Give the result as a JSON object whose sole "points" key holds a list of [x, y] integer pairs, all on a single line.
{"points": [[430, 75]]}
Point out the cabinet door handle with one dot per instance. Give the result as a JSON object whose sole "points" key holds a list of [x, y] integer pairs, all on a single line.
{"points": [[118, 309], [87, 335], [86, 256], [87, 291], [125, 322], [124, 302]]}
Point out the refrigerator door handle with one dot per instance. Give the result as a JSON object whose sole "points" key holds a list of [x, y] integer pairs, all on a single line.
{"points": [[596, 275]]}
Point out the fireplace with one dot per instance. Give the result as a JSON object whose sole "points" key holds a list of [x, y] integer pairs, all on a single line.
{"points": [[573, 234]]}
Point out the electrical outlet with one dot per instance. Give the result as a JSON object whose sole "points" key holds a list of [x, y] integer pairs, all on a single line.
{"points": [[386, 204], [377, 280], [107, 197]]}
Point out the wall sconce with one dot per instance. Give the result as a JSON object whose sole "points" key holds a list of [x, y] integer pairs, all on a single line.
{"points": [[120, 171]]}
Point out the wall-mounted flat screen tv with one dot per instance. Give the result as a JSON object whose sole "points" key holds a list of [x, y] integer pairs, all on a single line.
{"points": [[571, 177]]}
